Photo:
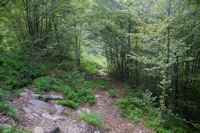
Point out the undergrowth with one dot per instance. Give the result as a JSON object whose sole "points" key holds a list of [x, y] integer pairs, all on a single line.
{"points": [[93, 119], [5, 108], [68, 103], [140, 106], [112, 94]]}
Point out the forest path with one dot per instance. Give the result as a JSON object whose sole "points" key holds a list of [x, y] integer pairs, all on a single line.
{"points": [[113, 121], [45, 116]]}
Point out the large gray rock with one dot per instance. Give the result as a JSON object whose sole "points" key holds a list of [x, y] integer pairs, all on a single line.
{"points": [[40, 104], [37, 106]]}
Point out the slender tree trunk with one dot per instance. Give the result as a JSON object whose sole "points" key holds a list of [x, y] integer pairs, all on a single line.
{"points": [[163, 104], [176, 79]]}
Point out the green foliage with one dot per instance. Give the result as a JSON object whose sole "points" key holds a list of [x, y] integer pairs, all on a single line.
{"points": [[13, 129], [98, 82], [68, 103], [112, 94], [67, 112], [71, 84], [13, 73], [139, 106], [5, 108], [92, 119], [45, 84], [19, 91], [89, 67], [67, 65], [82, 96]]}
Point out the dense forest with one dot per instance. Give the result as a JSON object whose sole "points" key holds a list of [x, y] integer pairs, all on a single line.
{"points": [[152, 47]]}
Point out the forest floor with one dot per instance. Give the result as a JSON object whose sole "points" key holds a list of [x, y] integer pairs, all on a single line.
{"points": [[45, 116]]}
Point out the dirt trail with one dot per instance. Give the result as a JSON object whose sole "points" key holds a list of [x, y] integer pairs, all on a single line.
{"points": [[114, 122], [43, 116]]}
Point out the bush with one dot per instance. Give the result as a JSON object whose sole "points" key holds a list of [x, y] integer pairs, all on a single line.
{"points": [[89, 67], [112, 94], [13, 73], [16, 72], [92, 119], [82, 96], [68, 103], [45, 84]]}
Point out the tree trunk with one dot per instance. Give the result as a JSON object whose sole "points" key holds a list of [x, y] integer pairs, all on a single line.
{"points": [[163, 103]]}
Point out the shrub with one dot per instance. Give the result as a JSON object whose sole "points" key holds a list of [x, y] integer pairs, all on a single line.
{"points": [[89, 67], [18, 92], [13, 73], [68, 103], [112, 94], [92, 119], [45, 84], [82, 96]]}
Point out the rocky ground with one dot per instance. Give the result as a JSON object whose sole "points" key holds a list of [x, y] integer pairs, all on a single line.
{"points": [[42, 114]]}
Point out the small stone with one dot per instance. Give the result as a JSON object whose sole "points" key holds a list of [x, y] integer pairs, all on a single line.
{"points": [[53, 97], [86, 110], [79, 112], [35, 96], [59, 109], [38, 130], [97, 96], [82, 125], [24, 94]]}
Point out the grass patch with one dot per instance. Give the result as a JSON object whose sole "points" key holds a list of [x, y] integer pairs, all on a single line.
{"points": [[68, 103], [112, 94], [93, 119], [13, 129], [67, 113]]}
